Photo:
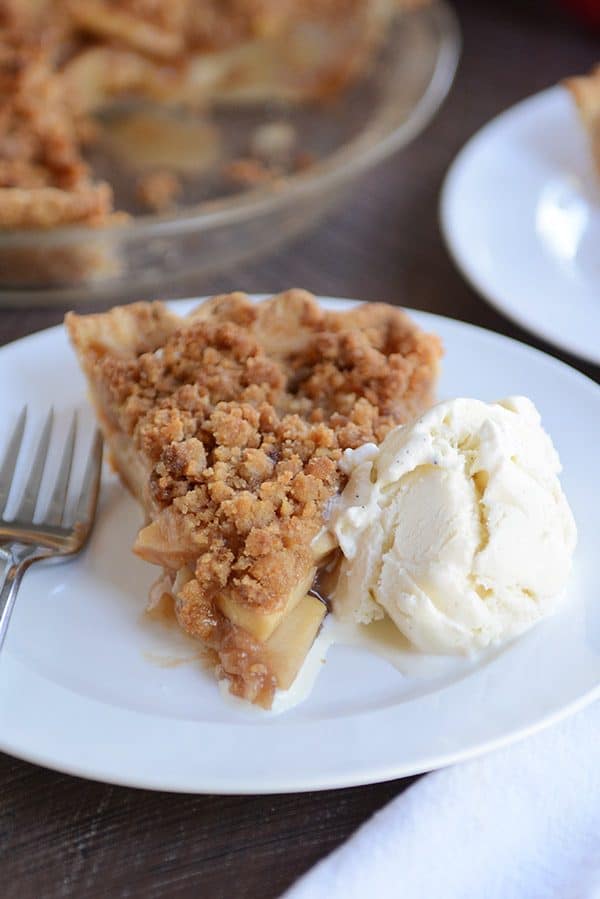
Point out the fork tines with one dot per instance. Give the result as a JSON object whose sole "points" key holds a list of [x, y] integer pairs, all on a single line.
{"points": [[56, 513]]}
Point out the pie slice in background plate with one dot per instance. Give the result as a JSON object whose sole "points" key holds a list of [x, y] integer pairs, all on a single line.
{"points": [[227, 425], [585, 90]]}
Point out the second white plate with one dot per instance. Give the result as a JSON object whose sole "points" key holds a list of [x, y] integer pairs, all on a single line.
{"points": [[520, 213], [88, 685]]}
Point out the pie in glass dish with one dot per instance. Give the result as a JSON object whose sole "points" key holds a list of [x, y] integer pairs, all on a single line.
{"points": [[62, 62], [227, 425]]}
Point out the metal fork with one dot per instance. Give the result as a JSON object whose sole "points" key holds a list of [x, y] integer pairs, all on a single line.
{"points": [[22, 541]]}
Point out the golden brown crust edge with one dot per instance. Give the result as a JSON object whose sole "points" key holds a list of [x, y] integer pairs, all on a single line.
{"points": [[124, 331], [585, 90]]}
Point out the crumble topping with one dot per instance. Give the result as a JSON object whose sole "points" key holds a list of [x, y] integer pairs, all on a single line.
{"points": [[241, 412], [159, 190], [44, 180]]}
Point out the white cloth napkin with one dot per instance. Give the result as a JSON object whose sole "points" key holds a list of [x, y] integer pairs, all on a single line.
{"points": [[520, 823]]}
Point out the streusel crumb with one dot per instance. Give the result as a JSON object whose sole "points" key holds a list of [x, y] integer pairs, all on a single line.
{"points": [[241, 414]]}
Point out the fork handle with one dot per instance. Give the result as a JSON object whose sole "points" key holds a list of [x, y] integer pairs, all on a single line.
{"points": [[17, 566]]}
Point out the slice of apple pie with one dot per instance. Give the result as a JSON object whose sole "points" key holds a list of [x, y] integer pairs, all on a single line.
{"points": [[228, 425]]}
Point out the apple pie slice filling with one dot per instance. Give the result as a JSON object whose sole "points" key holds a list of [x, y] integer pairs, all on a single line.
{"points": [[256, 651]]}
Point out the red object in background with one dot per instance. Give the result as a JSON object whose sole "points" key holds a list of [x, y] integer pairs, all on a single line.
{"points": [[587, 10]]}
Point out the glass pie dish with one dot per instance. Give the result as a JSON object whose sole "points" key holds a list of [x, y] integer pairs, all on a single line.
{"points": [[231, 211]]}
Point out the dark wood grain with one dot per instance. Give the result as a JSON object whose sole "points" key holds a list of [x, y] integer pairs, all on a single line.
{"points": [[64, 837]]}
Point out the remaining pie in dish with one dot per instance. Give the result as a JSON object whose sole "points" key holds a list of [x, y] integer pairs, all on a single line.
{"points": [[228, 425], [585, 90], [62, 61]]}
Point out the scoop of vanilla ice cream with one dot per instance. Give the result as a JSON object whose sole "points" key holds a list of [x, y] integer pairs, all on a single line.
{"points": [[456, 526]]}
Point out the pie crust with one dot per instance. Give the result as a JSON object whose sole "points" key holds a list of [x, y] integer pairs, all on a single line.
{"points": [[585, 90]]}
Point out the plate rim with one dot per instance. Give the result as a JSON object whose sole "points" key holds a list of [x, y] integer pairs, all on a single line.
{"points": [[369, 772], [345, 780], [464, 261]]}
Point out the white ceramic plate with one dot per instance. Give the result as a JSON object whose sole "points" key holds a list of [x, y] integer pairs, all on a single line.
{"points": [[520, 212], [83, 682]]}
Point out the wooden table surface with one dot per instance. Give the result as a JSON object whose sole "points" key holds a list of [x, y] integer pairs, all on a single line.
{"points": [[61, 836]]}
